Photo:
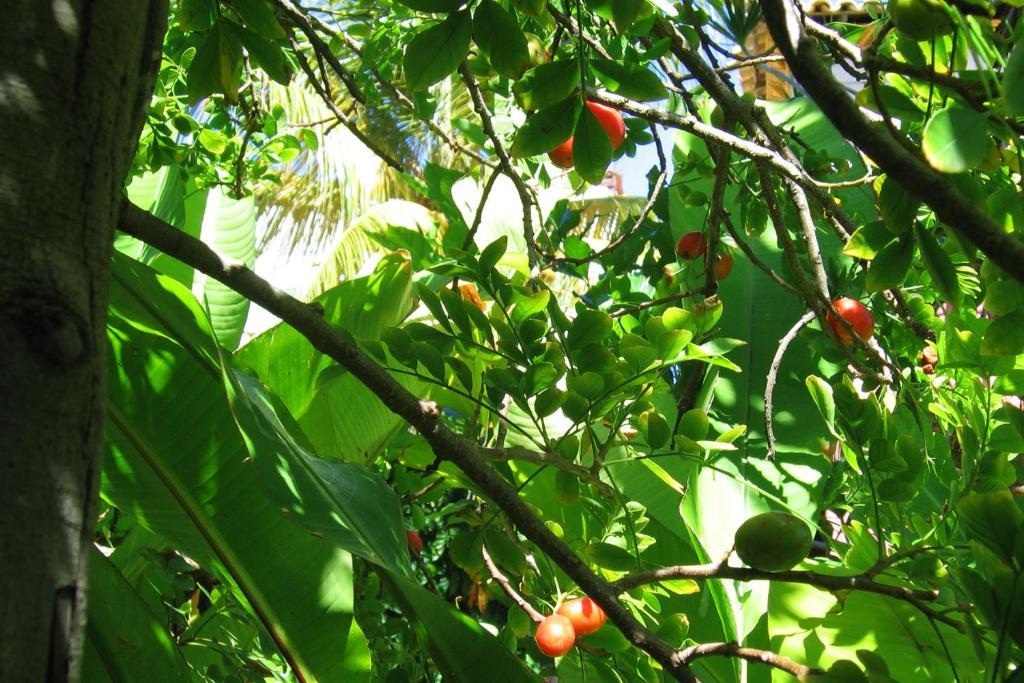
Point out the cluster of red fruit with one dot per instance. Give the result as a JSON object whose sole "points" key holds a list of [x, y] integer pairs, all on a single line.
{"points": [[692, 244], [579, 617], [610, 120]]}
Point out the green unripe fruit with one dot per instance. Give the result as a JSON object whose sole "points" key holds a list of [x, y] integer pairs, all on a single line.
{"points": [[919, 19], [773, 541]]}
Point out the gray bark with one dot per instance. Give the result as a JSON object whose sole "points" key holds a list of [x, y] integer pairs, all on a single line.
{"points": [[76, 77]]}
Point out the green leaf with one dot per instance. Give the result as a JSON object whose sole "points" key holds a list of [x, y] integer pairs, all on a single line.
{"points": [[164, 369], [890, 267], [124, 639], [497, 33], [591, 148], [956, 139], [634, 81], [505, 551], [460, 647], [259, 16], [625, 12], [898, 208], [343, 419], [992, 519], [437, 51], [547, 84], [867, 241], [1013, 80], [347, 504], [589, 327], [435, 6], [229, 227], [267, 55], [216, 67], [1004, 336], [490, 256], [654, 428], [608, 556], [195, 15], [821, 393], [538, 377], [547, 129], [939, 265]]}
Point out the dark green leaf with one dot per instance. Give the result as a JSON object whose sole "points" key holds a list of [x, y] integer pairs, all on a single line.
{"points": [[433, 5], [437, 51], [547, 84], [591, 148], [195, 15], [497, 33], [125, 641], [868, 240], [634, 81], [547, 129], [939, 265], [269, 56], [890, 266], [259, 16], [589, 327], [897, 207]]}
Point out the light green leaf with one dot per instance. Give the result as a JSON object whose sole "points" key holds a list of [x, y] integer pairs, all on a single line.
{"points": [[229, 228], [955, 139], [634, 81], [172, 445]]}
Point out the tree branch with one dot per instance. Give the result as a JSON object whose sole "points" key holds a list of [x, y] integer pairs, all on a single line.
{"points": [[827, 582], [751, 654], [773, 373], [920, 180]]}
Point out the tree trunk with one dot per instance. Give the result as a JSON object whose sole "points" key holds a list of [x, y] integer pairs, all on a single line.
{"points": [[76, 78]]}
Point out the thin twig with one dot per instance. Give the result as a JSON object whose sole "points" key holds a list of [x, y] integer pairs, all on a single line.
{"points": [[828, 582], [629, 310], [503, 581], [550, 459], [504, 162], [478, 216], [751, 654], [773, 373]]}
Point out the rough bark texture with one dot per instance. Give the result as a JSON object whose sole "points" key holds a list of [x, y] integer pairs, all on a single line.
{"points": [[76, 77]]}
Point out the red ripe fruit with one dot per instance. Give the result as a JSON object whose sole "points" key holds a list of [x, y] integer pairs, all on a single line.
{"points": [[555, 636], [611, 121], [855, 313], [561, 156], [723, 266], [586, 615], [414, 541], [691, 245]]}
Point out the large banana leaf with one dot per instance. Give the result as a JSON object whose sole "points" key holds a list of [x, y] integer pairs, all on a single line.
{"points": [[176, 461], [913, 649], [229, 228], [226, 224], [124, 640], [168, 194], [346, 503], [342, 418]]}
